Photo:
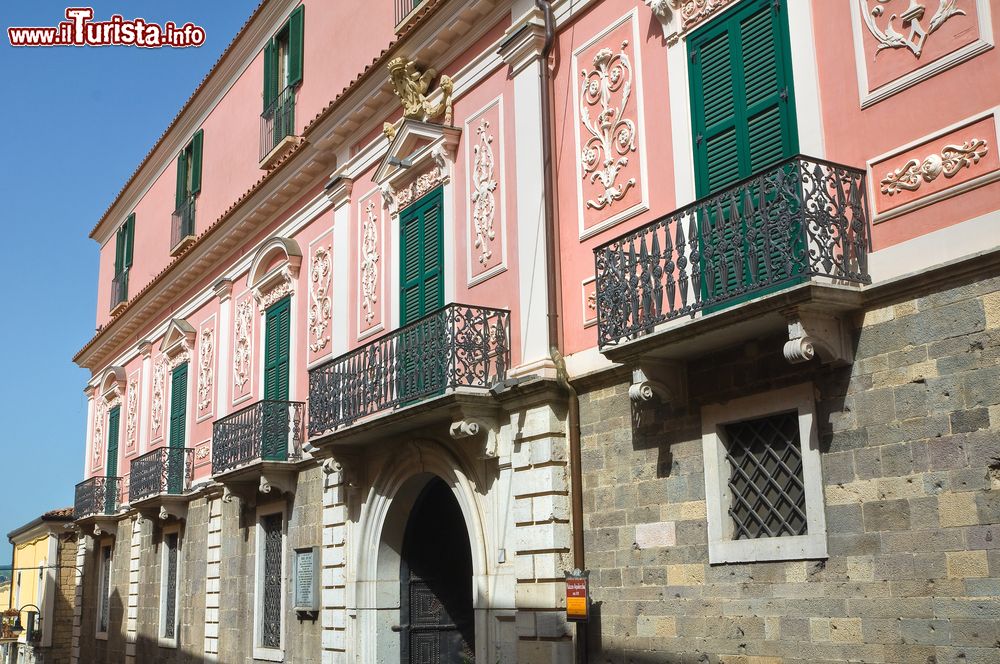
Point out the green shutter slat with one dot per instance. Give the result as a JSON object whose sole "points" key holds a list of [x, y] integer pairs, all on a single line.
{"points": [[129, 239], [119, 250], [197, 146], [114, 420], [181, 179], [270, 69], [421, 258], [296, 34], [277, 350], [178, 405]]}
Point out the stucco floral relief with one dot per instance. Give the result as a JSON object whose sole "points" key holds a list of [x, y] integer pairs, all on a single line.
{"points": [[369, 257], [132, 412], [100, 412], [206, 368], [242, 345], [157, 399], [484, 185], [320, 303]]}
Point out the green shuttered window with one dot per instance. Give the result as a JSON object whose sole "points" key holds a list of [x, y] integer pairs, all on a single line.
{"points": [[124, 240], [743, 109], [114, 422], [277, 333], [421, 257], [283, 57], [743, 119], [178, 406], [189, 169]]}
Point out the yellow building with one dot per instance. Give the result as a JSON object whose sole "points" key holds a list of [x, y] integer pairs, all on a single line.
{"points": [[42, 549]]}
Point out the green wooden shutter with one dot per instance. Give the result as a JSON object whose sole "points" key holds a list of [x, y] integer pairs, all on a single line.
{"points": [[296, 33], [197, 145], [270, 74], [181, 192], [421, 257], [129, 240], [742, 102], [277, 348], [178, 405], [119, 251], [743, 118], [114, 420]]}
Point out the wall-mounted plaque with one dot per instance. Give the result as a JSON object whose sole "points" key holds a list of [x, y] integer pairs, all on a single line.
{"points": [[307, 579]]}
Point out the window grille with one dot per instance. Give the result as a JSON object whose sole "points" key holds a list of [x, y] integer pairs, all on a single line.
{"points": [[170, 592], [271, 526], [104, 617], [765, 482]]}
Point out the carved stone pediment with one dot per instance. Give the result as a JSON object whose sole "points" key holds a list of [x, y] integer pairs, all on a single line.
{"points": [[421, 156], [274, 271], [178, 341], [113, 385]]}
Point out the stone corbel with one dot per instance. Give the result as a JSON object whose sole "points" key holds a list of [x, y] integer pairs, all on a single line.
{"points": [[664, 381], [478, 424], [666, 13], [812, 334], [338, 191], [173, 510], [271, 479], [106, 528]]}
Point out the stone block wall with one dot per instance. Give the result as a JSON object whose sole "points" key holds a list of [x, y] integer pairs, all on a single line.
{"points": [[909, 440]]}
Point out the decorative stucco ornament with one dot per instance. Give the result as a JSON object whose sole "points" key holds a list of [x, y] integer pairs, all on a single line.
{"points": [[131, 414], [241, 356], [948, 162], [369, 262], [483, 186], [911, 18], [206, 378], [98, 434], [320, 306], [159, 381], [607, 89], [693, 11], [411, 87]]}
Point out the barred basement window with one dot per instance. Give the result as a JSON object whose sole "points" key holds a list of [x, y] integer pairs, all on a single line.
{"points": [[768, 496], [763, 481], [104, 590], [168, 589], [270, 582]]}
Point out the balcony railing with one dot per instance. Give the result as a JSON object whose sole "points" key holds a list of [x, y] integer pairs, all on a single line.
{"points": [[456, 346], [119, 289], [264, 431], [96, 496], [166, 470], [277, 121], [801, 219], [182, 224]]}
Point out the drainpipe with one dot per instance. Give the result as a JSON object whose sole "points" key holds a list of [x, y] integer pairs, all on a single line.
{"points": [[554, 329]]}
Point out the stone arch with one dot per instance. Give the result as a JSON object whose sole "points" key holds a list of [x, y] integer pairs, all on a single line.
{"points": [[381, 527], [276, 255]]}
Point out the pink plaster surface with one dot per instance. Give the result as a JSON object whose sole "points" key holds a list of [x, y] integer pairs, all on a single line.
{"points": [[984, 129], [853, 135], [891, 64]]}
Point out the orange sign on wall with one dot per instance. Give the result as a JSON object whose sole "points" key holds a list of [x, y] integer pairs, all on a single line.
{"points": [[577, 595]]}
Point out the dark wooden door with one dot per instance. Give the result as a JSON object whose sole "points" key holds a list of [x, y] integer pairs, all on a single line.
{"points": [[436, 582]]}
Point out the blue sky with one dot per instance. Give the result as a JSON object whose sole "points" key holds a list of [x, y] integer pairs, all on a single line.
{"points": [[77, 121]]}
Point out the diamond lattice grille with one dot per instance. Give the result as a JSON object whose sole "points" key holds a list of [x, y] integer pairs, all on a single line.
{"points": [[765, 483], [271, 621]]}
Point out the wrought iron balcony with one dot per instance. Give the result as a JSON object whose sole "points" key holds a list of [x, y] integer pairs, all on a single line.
{"points": [[182, 225], [264, 431], [166, 470], [97, 496], [456, 346], [800, 220], [119, 289], [277, 122]]}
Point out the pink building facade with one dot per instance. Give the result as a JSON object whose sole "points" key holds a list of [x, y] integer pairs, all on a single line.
{"points": [[402, 318]]}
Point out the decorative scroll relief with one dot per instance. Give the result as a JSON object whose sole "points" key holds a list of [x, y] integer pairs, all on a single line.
{"points": [[320, 304], [369, 262], [281, 288], [400, 198], [911, 19], [607, 89], [484, 184], [99, 414], [206, 360], [131, 413], [692, 11], [159, 384], [948, 162], [241, 354]]}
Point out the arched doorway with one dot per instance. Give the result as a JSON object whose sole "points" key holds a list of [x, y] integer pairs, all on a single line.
{"points": [[436, 612]]}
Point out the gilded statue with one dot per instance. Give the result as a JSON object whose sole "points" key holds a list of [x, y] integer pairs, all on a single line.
{"points": [[411, 87]]}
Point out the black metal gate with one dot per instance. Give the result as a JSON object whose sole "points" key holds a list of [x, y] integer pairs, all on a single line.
{"points": [[436, 613]]}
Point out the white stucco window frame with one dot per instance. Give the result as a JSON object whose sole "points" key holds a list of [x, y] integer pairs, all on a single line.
{"points": [[260, 652], [722, 548], [165, 642], [103, 599], [805, 81], [270, 287]]}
